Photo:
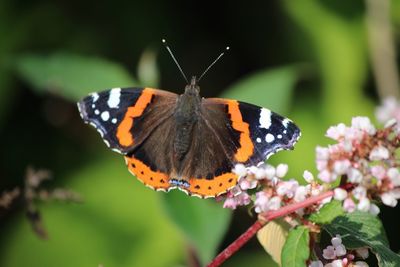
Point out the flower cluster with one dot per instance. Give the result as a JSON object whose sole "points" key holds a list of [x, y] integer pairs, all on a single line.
{"points": [[365, 158], [275, 192], [336, 255]]}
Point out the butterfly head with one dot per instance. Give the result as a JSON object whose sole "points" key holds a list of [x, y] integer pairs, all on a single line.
{"points": [[193, 88]]}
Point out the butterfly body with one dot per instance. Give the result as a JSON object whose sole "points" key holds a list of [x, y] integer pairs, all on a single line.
{"points": [[186, 141]]}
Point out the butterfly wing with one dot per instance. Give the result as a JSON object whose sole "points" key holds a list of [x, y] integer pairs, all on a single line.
{"points": [[125, 117], [232, 132]]}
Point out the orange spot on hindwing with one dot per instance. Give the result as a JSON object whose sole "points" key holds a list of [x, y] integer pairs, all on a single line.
{"points": [[212, 187], [124, 135], [246, 148], [154, 179]]}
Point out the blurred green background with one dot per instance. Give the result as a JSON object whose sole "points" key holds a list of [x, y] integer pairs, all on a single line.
{"points": [[318, 62]]}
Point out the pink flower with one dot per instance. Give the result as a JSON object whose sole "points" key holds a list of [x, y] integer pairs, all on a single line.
{"points": [[378, 171], [230, 203], [364, 124], [389, 199], [354, 176], [349, 205], [364, 204], [374, 209], [240, 170], [327, 176], [316, 264], [322, 153], [329, 253], [341, 166], [308, 177], [394, 176], [336, 132], [261, 202], [379, 153]]}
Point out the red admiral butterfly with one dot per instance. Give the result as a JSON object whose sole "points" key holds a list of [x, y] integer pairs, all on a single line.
{"points": [[186, 141]]}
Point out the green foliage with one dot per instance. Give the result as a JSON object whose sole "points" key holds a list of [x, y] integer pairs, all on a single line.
{"points": [[361, 229], [120, 223], [272, 88], [296, 250], [327, 213], [203, 222], [70, 75]]}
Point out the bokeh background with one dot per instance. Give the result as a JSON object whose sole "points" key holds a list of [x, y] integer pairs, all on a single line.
{"points": [[319, 62]]}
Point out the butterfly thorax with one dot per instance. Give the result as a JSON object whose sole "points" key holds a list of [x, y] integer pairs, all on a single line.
{"points": [[187, 113]]}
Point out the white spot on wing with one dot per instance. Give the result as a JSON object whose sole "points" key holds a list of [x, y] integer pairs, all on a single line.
{"points": [[114, 98], [114, 120], [265, 118], [95, 97], [269, 138], [105, 115], [285, 122], [97, 112], [279, 136], [258, 140]]}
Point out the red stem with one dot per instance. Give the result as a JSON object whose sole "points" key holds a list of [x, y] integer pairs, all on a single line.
{"points": [[269, 216]]}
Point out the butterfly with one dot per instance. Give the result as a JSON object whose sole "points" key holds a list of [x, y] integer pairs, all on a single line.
{"points": [[186, 141]]}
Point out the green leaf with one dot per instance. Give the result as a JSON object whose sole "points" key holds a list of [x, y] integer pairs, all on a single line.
{"points": [[203, 221], [296, 250], [360, 229], [72, 76], [328, 212], [120, 223], [269, 88]]}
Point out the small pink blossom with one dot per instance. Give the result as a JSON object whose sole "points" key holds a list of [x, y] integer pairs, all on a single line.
{"points": [[275, 203], [341, 166], [336, 241], [329, 253], [230, 203], [378, 171], [374, 209], [326, 176], [240, 170], [354, 176], [316, 264], [340, 250], [308, 176], [269, 172], [394, 176], [336, 132], [364, 204], [245, 184], [287, 188], [349, 205], [322, 153], [301, 194], [379, 153], [364, 124], [359, 192], [336, 263], [261, 202], [388, 199]]}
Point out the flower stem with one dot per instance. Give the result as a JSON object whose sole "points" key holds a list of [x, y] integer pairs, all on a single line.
{"points": [[269, 216]]}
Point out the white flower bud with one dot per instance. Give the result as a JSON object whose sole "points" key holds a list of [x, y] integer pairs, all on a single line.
{"points": [[340, 194], [281, 170]]}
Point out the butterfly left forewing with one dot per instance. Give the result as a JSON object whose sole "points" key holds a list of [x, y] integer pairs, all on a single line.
{"points": [[125, 117]]}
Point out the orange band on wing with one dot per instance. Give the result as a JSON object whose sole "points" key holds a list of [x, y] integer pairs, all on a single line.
{"points": [[246, 148], [153, 179], [212, 187], [124, 135]]}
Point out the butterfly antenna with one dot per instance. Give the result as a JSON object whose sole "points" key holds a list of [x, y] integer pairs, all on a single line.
{"points": [[212, 64], [176, 62]]}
